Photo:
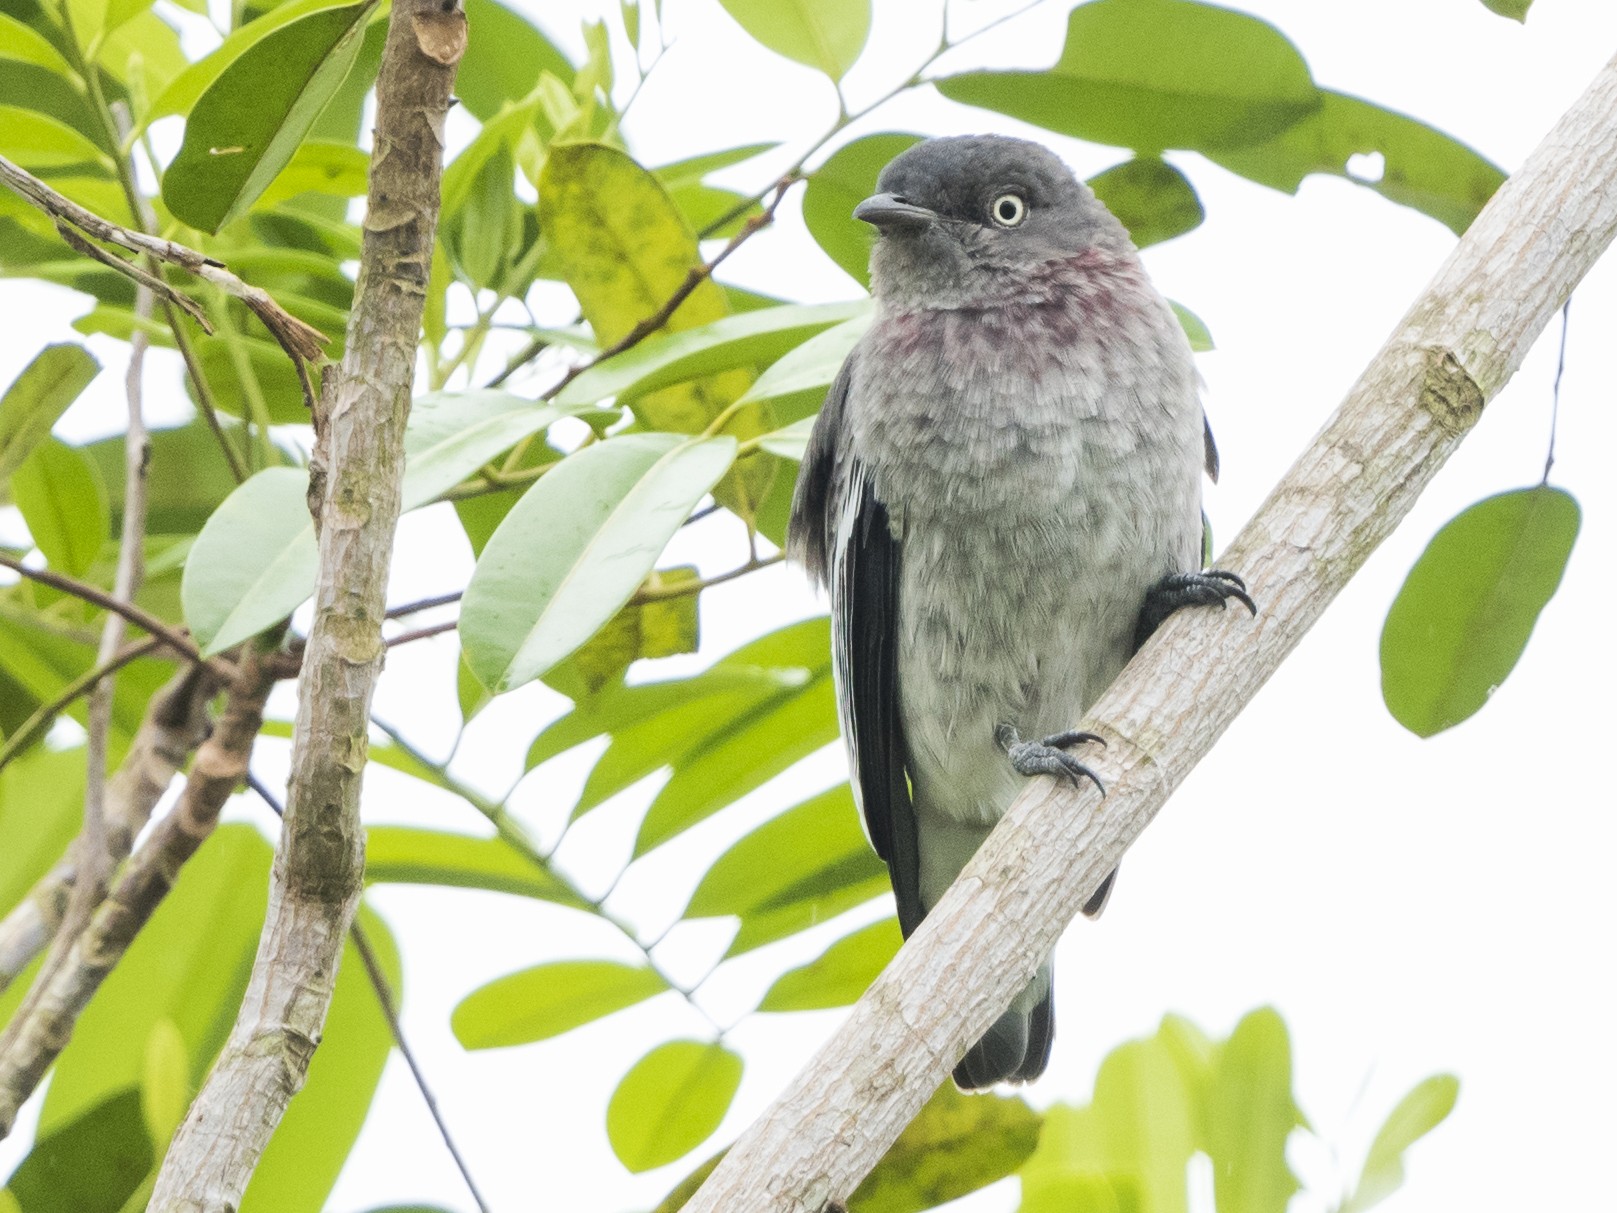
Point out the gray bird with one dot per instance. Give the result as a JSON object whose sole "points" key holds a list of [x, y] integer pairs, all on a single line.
{"points": [[1002, 496]]}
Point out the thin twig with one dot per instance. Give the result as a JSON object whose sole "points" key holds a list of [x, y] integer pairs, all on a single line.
{"points": [[647, 593], [1555, 392], [436, 629], [173, 638], [37, 724], [424, 604], [142, 278], [384, 996], [698, 274], [302, 342]]}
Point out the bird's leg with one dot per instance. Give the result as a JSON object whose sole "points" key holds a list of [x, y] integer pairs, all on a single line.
{"points": [[1178, 590], [1048, 757]]}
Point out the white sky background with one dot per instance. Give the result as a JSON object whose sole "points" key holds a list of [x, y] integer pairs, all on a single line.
{"points": [[1408, 906]]}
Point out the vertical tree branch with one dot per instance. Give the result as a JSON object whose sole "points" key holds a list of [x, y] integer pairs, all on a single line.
{"points": [[1414, 404], [355, 478]]}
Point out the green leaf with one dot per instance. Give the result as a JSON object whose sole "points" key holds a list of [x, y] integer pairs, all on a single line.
{"points": [[19, 43], [319, 166], [823, 34], [452, 434], [1154, 75], [186, 476], [300, 1166], [1128, 1149], [64, 504], [845, 180], [1421, 167], [801, 868], [505, 54], [40, 142], [403, 855], [1516, 10], [188, 966], [244, 129], [576, 547], [483, 229], [91, 1164], [744, 340], [789, 726], [1249, 1114], [624, 249], [680, 1194], [839, 975], [619, 708], [1151, 198], [812, 366], [93, 20], [255, 560], [42, 654], [37, 397], [1467, 608], [956, 1145], [549, 999], [654, 725], [254, 563], [790, 442], [41, 801], [1417, 1114], [670, 1102], [692, 169], [165, 1085], [1201, 340], [659, 628]]}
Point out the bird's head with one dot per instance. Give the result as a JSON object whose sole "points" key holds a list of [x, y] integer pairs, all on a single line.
{"points": [[963, 221]]}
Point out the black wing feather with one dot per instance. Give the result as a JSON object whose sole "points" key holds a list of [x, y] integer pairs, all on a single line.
{"points": [[841, 531]]}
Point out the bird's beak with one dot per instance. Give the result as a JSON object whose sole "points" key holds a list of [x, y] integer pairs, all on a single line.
{"points": [[889, 211]]}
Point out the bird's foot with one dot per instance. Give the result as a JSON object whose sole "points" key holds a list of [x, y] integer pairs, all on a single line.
{"points": [[1048, 757], [1179, 590]]}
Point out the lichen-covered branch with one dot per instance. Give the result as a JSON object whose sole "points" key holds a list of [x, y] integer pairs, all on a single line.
{"points": [[355, 483], [1456, 348], [36, 1036]]}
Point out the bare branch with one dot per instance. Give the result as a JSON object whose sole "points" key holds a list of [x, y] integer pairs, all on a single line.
{"points": [[96, 851], [171, 637], [390, 1011], [355, 476], [40, 722], [302, 342], [1418, 399], [33, 1039]]}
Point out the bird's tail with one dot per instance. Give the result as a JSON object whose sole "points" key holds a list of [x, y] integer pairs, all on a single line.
{"points": [[1017, 1048]]}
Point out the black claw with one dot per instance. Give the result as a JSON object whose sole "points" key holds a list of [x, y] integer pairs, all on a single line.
{"points": [[1062, 741], [1047, 757], [1179, 590]]}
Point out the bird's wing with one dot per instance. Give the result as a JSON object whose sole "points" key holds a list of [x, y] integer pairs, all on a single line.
{"points": [[841, 531]]}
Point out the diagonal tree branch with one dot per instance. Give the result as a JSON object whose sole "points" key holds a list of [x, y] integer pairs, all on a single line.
{"points": [[33, 1040], [175, 724], [302, 342], [1458, 345], [355, 480]]}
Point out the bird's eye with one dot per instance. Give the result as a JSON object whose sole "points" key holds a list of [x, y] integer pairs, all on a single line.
{"points": [[1008, 210]]}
